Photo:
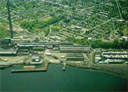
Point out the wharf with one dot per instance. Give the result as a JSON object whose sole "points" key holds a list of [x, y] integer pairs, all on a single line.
{"points": [[2, 67], [32, 69], [64, 65]]}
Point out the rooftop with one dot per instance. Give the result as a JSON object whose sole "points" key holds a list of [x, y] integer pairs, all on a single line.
{"points": [[74, 55]]}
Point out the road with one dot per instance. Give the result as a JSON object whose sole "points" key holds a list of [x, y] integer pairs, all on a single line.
{"points": [[118, 9], [50, 30]]}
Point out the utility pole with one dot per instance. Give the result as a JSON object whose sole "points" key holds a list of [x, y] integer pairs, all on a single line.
{"points": [[9, 18]]}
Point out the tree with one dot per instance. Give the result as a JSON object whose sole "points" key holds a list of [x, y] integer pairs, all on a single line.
{"points": [[66, 20]]}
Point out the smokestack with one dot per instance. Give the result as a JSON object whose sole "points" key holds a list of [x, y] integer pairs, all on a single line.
{"points": [[9, 18]]}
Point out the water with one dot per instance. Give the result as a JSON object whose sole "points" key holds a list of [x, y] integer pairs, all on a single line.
{"points": [[73, 79]]}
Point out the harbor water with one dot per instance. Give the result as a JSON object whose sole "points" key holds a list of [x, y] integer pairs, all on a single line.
{"points": [[55, 79]]}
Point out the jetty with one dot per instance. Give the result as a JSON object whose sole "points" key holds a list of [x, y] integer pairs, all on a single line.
{"points": [[64, 65], [32, 68]]}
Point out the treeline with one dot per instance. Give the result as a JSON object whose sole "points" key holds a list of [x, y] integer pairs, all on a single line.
{"points": [[99, 44], [32, 25]]}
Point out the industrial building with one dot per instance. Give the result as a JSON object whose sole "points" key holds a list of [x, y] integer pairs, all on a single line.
{"points": [[121, 55], [6, 41], [37, 48], [66, 43], [35, 58], [54, 44], [48, 45], [15, 40], [24, 51], [8, 52], [74, 57], [112, 61], [30, 45], [75, 49]]}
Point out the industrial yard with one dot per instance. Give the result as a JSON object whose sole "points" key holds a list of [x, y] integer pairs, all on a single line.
{"points": [[30, 54], [35, 53]]}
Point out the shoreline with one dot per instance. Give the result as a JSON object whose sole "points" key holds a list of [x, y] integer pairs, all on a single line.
{"points": [[101, 70], [92, 68], [95, 69]]}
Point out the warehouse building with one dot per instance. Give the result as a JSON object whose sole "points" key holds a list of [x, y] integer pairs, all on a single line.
{"points": [[23, 51], [75, 49], [55, 44], [15, 40], [6, 41], [8, 52], [35, 58], [37, 48], [66, 43], [49, 45], [74, 57], [30, 45], [121, 55]]}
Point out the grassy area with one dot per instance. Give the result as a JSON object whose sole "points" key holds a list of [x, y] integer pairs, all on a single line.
{"points": [[46, 30], [3, 33], [3, 29], [46, 19], [3, 21], [125, 30], [54, 28]]}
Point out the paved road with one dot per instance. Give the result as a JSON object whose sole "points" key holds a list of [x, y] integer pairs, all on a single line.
{"points": [[50, 30]]}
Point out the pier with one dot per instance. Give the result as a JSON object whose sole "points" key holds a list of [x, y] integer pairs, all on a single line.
{"points": [[32, 68], [64, 66]]}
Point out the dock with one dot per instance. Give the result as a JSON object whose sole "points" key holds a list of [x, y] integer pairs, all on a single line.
{"points": [[64, 66], [2, 67], [32, 69]]}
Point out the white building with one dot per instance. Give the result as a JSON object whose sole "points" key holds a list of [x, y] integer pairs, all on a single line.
{"points": [[125, 38]]}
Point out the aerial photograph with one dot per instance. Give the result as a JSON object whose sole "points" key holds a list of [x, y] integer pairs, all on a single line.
{"points": [[63, 46]]}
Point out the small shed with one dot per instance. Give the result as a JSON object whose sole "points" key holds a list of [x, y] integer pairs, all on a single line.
{"points": [[77, 27], [89, 38]]}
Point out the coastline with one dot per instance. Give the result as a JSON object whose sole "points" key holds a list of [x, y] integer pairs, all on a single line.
{"points": [[100, 69]]}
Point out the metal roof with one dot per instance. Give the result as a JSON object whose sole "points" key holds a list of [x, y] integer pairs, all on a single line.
{"points": [[74, 55], [7, 51], [75, 46]]}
